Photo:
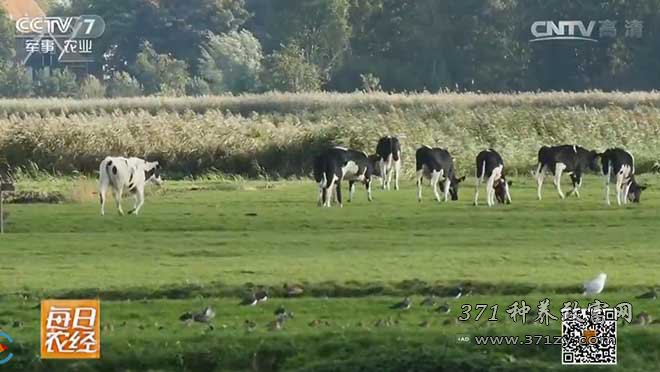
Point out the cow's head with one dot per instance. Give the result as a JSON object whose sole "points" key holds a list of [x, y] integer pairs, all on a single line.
{"points": [[372, 165], [635, 191], [501, 187], [453, 186], [152, 173], [593, 157]]}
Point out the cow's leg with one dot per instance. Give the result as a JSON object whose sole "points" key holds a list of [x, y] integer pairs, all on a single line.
{"points": [[490, 193], [508, 194], [139, 200], [447, 186], [576, 179], [116, 193], [559, 168], [136, 200], [619, 187], [477, 182], [389, 168], [320, 201], [383, 173], [338, 187], [330, 193], [327, 195], [328, 190], [103, 188], [397, 169], [435, 178], [367, 185], [607, 185], [420, 178], [625, 194], [351, 190], [540, 172]]}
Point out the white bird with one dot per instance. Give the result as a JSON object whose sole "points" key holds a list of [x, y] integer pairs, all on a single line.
{"points": [[596, 285]]}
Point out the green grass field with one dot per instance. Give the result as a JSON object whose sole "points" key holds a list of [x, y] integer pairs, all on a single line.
{"points": [[200, 243]]}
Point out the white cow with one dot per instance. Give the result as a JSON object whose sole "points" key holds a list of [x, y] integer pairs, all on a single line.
{"points": [[127, 174]]}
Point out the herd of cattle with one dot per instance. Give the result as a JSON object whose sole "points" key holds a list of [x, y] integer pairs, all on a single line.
{"points": [[437, 165], [338, 164]]}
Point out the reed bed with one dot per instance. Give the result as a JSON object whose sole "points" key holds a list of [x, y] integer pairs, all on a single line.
{"points": [[276, 135]]}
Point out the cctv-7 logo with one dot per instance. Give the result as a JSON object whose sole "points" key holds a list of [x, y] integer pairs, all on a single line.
{"points": [[90, 25]]}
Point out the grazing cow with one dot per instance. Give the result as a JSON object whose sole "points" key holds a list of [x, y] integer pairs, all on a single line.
{"points": [[565, 158], [338, 164], [620, 163], [501, 188], [127, 174], [491, 165], [433, 164], [388, 151]]}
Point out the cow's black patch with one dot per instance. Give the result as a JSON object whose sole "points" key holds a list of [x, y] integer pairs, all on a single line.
{"points": [[114, 170], [487, 161], [388, 146]]}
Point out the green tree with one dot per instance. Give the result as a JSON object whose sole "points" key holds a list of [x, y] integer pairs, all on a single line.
{"points": [[176, 27], [231, 62], [122, 84], [198, 87], [6, 37], [289, 71], [91, 87], [15, 82], [56, 83], [160, 73], [320, 28]]}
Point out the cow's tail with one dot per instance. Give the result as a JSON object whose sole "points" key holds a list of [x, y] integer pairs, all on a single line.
{"points": [[110, 170], [323, 174], [328, 174], [542, 153], [542, 158]]}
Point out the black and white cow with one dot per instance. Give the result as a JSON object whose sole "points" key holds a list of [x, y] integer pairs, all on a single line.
{"points": [[619, 166], [565, 158], [130, 174], [490, 165], [337, 164], [388, 151], [435, 164]]}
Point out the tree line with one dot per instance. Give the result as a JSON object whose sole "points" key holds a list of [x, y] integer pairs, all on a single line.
{"points": [[199, 47]]}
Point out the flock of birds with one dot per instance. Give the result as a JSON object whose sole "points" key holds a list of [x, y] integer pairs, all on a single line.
{"points": [[282, 315]]}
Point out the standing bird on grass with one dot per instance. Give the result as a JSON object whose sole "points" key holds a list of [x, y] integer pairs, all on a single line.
{"points": [[249, 300], [428, 301], [403, 305], [443, 309], [455, 293], [596, 285], [203, 316], [650, 295], [293, 290]]}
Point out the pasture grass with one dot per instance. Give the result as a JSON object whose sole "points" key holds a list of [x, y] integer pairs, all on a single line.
{"points": [[207, 241]]}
